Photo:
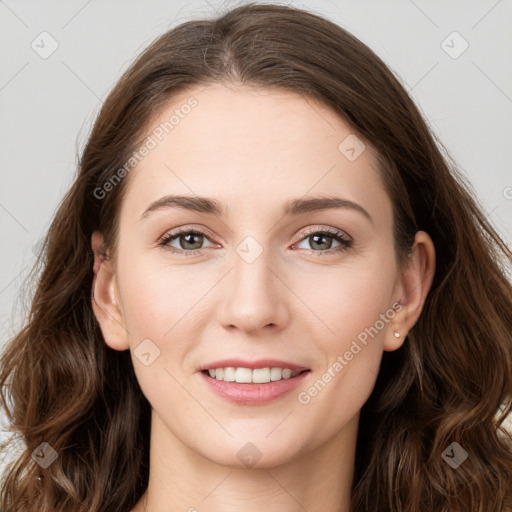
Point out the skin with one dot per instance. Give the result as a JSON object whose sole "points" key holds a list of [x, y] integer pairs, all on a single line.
{"points": [[252, 150]]}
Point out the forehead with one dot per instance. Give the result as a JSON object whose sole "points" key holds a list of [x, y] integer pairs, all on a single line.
{"points": [[252, 147]]}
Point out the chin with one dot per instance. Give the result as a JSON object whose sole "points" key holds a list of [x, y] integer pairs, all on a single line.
{"points": [[258, 453]]}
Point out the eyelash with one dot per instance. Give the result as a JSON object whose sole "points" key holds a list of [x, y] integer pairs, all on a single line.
{"points": [[345, 242]]}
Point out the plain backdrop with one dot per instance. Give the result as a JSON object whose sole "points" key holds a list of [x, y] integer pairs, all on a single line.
{"points": [[60, 59]]}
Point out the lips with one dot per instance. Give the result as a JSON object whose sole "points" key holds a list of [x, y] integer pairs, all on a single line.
{"points": [[253, 394], [259, 363]]}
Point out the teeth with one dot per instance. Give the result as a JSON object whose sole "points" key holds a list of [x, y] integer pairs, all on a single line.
{"points": [[276, 373], [261, 375], [229, 374], [243, 375], [287, 373], [249, 376]]}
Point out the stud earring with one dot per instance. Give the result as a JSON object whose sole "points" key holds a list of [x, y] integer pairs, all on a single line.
{"points": [[397, 334]]}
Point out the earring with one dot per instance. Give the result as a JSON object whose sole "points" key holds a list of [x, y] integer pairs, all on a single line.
{"points": [[397, 334]]}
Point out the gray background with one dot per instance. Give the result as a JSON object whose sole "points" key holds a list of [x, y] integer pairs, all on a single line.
{"points": [[47, 105]]}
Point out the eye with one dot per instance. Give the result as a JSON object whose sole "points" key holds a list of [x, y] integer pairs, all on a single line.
{"points": [[188, 240], [321, 240]]}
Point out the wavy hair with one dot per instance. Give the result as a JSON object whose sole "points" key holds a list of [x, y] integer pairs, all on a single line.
{"points": [[450, 382]]}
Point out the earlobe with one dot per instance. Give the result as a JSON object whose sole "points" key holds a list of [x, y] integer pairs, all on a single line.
{"points": [[103, 297], [394, 339], [415, 282]]}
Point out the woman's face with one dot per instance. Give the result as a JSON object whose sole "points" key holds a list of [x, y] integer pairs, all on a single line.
{"points": [[261, 283]]}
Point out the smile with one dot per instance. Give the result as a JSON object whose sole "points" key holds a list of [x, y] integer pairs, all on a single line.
{"points": [[245, 389], [251, 376]]}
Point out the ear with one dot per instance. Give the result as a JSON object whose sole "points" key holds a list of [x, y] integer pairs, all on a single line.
{"points": [[415, 281], [105, 303]]}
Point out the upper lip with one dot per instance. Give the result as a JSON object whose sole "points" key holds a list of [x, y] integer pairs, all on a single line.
{"points": [[259, 363]]}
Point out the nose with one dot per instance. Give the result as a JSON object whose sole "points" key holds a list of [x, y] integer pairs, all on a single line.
{"points": [[254, 296]]}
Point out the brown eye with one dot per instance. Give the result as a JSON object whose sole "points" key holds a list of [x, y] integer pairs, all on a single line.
{"points": [[189, 240], [322, 241]]}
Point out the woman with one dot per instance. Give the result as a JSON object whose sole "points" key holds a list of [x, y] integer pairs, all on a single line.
{"points": [[267, 288]]}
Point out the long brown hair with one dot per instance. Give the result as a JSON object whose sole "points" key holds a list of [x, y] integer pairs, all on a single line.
{"points": [[445, 385]]}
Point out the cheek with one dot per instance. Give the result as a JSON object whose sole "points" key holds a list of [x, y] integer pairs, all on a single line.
{"points": [[358, 312], [167, 305], [154, 299], [351, 360], [351, 299], [160, 318]]}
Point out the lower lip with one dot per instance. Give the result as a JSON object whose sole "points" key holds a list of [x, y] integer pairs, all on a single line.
{"points": [[253, 394]]}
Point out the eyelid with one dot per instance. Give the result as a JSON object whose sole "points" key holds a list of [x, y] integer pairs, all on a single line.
{"points": [[175, 233], [187, 229], [325, 229]]}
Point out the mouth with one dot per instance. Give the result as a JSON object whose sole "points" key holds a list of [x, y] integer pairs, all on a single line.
{"points": [[253, 386], [244, 375]]}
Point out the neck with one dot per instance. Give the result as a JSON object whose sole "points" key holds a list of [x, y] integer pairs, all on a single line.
{"points": [[317, 479]]}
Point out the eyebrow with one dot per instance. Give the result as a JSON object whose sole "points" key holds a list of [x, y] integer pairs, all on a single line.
{"points": [[291, 207]]}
